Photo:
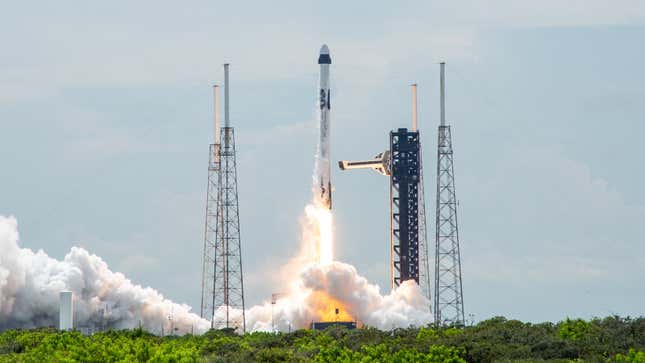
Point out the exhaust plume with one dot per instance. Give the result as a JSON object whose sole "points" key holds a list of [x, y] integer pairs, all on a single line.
{"points": [[320, 289], [30, 283], [316, 286]]}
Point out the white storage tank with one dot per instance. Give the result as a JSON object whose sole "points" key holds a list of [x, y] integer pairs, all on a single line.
{"points": [[66, 316]]}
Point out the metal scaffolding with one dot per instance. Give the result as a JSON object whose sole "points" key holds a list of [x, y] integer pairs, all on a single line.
{"points": [[424, 263], [448, 301], [402, 162], [404, 206], [222, 276]]}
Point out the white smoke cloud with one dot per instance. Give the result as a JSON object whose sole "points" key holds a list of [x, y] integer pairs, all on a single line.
{"points": [[403, 307], [320, 286], [30, 283]]}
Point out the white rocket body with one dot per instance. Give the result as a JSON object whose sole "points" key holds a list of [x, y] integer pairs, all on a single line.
{"points": [[324, 165]]}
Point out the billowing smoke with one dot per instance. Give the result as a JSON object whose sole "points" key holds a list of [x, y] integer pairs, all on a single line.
{"points": [[320, 289], [314, 288], [30, 283]]}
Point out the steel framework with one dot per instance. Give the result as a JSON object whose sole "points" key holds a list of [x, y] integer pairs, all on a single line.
{"points": [[212, 226], [222, 282], [448, 301], [408, 224], [222, 300], [424, 263], [404, 206]]}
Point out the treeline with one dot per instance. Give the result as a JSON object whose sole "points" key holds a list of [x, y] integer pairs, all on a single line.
{"points": [[611, 339]]}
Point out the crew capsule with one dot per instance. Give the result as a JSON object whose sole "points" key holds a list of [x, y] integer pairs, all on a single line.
{"points": [[324, 57]]}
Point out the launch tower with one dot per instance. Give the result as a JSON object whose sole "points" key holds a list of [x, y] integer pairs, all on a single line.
{"points": [[402, 162], [404, 205], [222, 278], [448, 301]]}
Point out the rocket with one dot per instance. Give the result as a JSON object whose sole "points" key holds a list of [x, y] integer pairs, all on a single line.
{"points": [[323, 167]]}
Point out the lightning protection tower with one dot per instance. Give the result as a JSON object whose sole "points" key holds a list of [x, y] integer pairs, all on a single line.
{"points": [[448, 301], [222, 277], [424, 264]]}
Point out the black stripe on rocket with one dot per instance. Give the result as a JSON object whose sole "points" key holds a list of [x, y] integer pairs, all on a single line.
{"points": [[325, 99]]}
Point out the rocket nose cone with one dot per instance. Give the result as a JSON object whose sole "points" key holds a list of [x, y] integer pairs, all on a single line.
{"points": [[324, 57]]}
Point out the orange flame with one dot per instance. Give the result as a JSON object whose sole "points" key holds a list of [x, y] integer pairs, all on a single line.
{"points": [[318, 236], [328, 309]]}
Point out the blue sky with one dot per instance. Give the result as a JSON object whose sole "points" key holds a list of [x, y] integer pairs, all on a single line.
{"points": [[105, 112]]}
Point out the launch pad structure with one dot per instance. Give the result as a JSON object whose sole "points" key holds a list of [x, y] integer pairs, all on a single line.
{"points": [[405, 174], [408, 228], [402, 162], [222, 277]]}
